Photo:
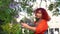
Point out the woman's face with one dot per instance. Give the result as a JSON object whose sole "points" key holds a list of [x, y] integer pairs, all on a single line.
{"points": [[39, 14]]}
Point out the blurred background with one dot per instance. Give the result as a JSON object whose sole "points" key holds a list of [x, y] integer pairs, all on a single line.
{"points": [[12, 12]]}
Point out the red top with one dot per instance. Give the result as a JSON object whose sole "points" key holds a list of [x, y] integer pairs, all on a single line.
{"points": [[41, 27]]}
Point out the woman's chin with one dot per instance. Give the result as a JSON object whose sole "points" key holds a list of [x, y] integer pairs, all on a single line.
{"points": [[38, 17]]}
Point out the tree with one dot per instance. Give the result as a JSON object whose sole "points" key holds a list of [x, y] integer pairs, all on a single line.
{"points": [[6, 14], [54, 7]]}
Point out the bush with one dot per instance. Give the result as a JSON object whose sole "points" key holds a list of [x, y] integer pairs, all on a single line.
{"points": [[11, 28]]}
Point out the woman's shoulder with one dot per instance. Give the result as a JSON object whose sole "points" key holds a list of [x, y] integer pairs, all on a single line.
{"points": [[43, 20]]}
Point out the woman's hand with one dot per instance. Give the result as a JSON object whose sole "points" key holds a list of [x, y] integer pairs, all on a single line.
{"points": [[28, 27], [25, 25]]}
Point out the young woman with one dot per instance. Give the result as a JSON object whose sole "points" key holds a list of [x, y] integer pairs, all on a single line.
{"points": [[41, 23]]}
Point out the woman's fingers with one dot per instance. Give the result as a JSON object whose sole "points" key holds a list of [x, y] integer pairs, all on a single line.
{"points": [[24, 25]]}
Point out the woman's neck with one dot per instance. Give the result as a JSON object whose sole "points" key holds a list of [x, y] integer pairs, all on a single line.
{"points": [[38, 19]]}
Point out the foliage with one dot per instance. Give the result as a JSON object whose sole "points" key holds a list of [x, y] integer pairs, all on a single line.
{"points": [[11, 29], [51, 7], [6, 13], [6, 16], [26, 5], [55, 6]]}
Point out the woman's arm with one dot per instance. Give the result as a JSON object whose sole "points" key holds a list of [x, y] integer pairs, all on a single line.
{"points": [[32, 28], [28, 27], [42, 26]]}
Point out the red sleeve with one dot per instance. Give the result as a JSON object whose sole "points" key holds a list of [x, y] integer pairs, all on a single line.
{"points": [[42, 26]]}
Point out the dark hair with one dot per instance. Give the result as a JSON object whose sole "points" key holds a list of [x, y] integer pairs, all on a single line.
{"points": [[44, 13]]}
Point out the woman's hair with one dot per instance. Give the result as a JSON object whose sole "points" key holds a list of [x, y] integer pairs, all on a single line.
{"points": [[44, 13]]}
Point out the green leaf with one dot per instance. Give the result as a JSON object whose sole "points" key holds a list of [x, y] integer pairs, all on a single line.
{"points": [[56, 12], [50, 7]]}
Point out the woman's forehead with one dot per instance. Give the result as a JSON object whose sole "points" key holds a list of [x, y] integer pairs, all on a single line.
{"points": [[38, 11]]}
